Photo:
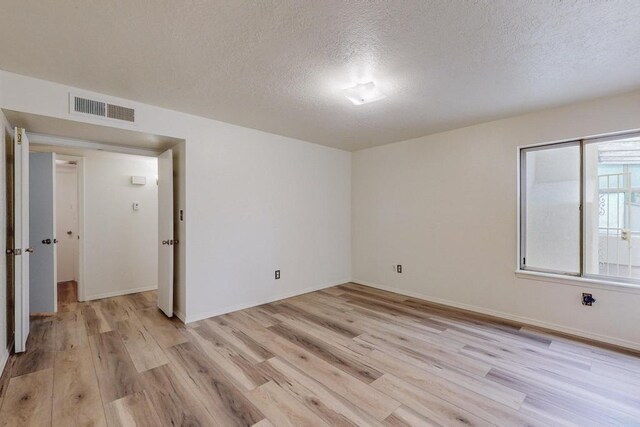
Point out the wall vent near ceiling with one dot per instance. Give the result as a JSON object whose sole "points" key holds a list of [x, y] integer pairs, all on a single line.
{"points": [[119, 112], [97, 108], [89, 106]]}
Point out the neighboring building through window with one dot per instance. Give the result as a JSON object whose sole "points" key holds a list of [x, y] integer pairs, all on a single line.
{"points": [[580, 208]]}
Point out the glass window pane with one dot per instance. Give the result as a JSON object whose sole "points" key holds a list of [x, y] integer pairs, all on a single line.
{"points": [[612, 208], [551, 208]]}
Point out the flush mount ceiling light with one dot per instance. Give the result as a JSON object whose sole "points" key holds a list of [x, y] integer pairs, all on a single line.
{"points": [[364, 93]]}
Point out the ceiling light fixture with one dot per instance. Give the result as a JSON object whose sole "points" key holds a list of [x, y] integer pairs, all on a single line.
{"points": [[364, 93]]}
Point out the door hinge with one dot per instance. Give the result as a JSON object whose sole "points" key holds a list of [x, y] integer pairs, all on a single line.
{"points": [[20, 130], [524, 261]]}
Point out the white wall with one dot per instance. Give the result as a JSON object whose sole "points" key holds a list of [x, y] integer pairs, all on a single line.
{"points": [[444, 206], [67, 220], [120, 244], [254, 202]]}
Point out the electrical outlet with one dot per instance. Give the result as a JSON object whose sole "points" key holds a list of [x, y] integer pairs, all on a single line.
{"points": [[587, 299], [277, 274], [399, 268]]}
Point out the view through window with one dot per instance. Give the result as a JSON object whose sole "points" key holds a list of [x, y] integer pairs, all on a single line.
{"points": [[580, 208]]}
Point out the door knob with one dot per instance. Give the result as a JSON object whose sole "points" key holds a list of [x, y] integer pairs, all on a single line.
{"points": [[46, 242]]}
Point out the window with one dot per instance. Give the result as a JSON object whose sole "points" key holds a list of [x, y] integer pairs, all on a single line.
{"points": [[580, 208]]}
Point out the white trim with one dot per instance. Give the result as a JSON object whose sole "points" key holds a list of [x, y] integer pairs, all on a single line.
{"points": [[59, 141], [4, 356], [582, 282], [520, 319], [218, 312], [118, 293]]}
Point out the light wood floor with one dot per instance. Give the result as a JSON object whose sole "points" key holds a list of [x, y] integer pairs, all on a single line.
{"points": [[348, 355]]}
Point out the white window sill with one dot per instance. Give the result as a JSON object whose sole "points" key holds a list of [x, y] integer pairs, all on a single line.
{"points": [[608, 285]]}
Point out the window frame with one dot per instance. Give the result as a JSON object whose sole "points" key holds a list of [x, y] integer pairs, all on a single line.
{"points": [[627, 284], [522, 196]]}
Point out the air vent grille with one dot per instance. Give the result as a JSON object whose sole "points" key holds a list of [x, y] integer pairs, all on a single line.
{"points": [[119, 112], [89, 106], [94, 107]]}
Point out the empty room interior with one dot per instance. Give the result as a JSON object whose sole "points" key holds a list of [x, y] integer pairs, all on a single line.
{"points": [[319, 213]]}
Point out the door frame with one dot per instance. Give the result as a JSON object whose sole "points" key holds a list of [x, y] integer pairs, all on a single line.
{"points": [[80, 203], [53, 141]]}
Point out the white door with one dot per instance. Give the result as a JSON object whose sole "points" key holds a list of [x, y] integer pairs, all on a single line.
{"points": [[22, 248], [165, 232], [66, 222], [42, 228]]}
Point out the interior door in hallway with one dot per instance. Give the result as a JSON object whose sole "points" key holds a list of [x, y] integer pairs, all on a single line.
{"points": [[42, 223], [165, 232]]}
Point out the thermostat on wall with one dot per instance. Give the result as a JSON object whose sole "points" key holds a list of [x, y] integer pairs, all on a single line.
{"points": [[139, 180]]}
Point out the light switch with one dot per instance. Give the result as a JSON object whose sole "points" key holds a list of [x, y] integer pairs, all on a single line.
{"points": [[138, 180], [136, 206]]}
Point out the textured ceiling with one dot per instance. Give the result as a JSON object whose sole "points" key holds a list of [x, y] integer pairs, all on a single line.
{"points": [[280, 65]]}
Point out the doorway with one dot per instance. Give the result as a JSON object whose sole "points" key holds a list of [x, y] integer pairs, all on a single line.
{"points": [[106, 225], [68, 138], [66, 230]]}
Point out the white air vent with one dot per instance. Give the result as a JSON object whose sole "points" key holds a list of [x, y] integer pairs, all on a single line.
{"points": [[89, 106], [97, 108], [119, 112]]}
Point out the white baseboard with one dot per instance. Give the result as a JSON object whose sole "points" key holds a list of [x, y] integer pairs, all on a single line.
{"points": [[118, 293], [4, 356], [520, 319], [213, 313]]}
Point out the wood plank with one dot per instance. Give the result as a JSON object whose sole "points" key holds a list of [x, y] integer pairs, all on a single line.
{"points": [[142, 348], [170, 334], [407, 417], [70, 331], [233, 364], [117, 376], [480, 404], [326, 404], [245, 344], [428, 405], [76, 397], [40, 348], [359, 393], [132, 410], [281, 408], [28, 400], [331, 354], [151, 317], [498, 392], [172, 400], [595, 410], [94, 321], [221, 398]]}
